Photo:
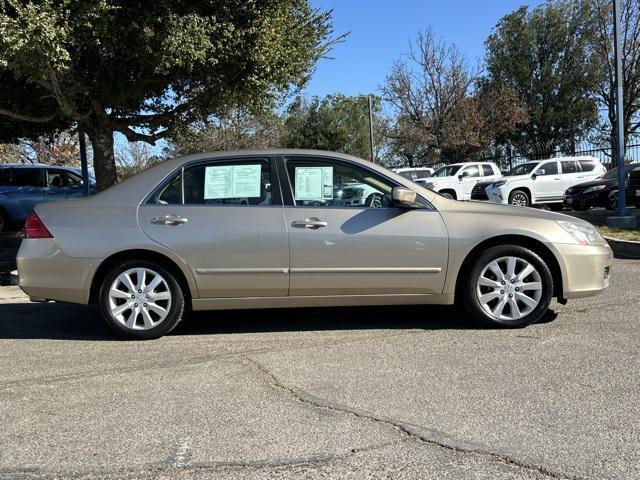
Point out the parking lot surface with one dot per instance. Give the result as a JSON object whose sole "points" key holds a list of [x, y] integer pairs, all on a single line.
{"points": [[394, 392]]}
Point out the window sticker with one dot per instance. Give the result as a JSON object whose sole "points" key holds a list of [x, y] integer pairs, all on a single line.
{"points": [[232, 181], [314, 183]]}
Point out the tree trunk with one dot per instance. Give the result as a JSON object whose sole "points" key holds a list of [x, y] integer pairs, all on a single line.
{"points": [[104, 162]]}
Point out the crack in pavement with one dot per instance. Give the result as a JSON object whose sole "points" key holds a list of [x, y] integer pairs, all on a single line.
{"points": [[402, 427]]}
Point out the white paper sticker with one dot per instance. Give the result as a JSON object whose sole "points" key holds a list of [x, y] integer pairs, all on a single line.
{"points": [[314, 183], [232, 181]]}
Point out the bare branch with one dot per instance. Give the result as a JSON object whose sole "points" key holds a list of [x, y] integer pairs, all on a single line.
{"points": [[26, 118]]}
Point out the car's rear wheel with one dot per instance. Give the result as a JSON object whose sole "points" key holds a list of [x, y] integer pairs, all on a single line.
{"points": [[519, 198], [507, 286], [141, 300]]}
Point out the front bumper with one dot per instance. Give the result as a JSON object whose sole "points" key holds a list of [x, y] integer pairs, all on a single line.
{"points": [[585, 270], [496, 195], [47, 273]]}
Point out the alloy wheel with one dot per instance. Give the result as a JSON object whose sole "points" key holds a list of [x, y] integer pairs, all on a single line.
{"points": [[139, 298], [509, 288], [519, 200]]}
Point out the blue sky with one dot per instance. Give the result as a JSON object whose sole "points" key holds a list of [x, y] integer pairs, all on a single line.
{"points": [[382, 29]]}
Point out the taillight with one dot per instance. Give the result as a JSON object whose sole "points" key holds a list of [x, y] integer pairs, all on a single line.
{"points": [[34, 228]]}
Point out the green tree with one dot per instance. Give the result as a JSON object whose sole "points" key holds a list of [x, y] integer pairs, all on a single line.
{"points": [[336, 122], [142, 67], [543, 55]]}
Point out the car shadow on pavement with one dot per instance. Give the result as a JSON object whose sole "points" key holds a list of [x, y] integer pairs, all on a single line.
{"points": [[59, 321]]}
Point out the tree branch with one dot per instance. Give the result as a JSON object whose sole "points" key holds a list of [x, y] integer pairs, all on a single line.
{"points": [[26, 118], [134, 136]]}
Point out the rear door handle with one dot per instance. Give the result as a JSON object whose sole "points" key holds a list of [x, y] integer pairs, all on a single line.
{"points": [[171, 220], [309, 223]]}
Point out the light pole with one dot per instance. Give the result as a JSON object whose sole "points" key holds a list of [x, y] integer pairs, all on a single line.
{"points": [[369, 102], [622, 211]]}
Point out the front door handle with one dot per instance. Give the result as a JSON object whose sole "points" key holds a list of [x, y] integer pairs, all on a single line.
{"points": [[171, 220], [309, 223]]}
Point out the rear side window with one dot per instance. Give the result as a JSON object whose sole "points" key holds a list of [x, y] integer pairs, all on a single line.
{"points": [[569, 166], [410, 174], [27, 177], [219, 183], [5, 177], [487, 170], [587, 165], [472, 171]]}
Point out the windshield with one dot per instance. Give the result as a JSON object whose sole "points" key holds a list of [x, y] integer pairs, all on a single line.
{"points": [[613, 174], [523, 169], [447, 171]]}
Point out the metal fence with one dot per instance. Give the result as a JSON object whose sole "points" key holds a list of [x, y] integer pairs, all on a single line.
{"points": [[508, 159]]}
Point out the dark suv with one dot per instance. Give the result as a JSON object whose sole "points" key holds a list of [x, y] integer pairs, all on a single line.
{"points": [[22, 186], [633, 188]]}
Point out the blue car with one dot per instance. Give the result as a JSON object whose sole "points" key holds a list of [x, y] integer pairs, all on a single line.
{"points": [[22, 186]]}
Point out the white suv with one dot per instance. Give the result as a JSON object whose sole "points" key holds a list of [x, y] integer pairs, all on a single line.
{"points": [[456, 181], [414, 173], [544, 181]]}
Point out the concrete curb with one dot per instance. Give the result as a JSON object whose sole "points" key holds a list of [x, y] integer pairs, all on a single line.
{"points": [[624, 248]]}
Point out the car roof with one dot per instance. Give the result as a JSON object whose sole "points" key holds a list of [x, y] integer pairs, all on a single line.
{"points": [[36, 165]]}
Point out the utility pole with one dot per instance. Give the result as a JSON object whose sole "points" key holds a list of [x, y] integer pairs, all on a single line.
{"points": [[83, 163], [373, 158], [622, 217]]}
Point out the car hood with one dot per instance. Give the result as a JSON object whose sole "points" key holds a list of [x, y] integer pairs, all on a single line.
{"points": [[593, 183], [514, 178], [500, 210]]}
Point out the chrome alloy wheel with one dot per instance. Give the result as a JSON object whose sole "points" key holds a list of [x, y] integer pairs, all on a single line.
{"points": [[519, 200], [509, 288], [139, 298]]}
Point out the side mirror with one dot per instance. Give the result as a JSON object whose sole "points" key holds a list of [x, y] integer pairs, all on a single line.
{"points": [[403, 197], [533, 176]]}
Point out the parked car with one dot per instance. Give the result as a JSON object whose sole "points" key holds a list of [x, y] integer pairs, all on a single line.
{"points": [[414, 173], [602, 192], [22, 186], [456, 181], [544, 182], [633, 189], [176, 235]]}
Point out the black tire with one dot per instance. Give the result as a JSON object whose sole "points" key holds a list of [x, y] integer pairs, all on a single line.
{"points": [[374, 200], [449, 195], [468, 297], [612, 201], [519, 198], [175, 311]]}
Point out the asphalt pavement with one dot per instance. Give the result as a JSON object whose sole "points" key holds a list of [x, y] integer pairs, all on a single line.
{"points": [[394, 392]]}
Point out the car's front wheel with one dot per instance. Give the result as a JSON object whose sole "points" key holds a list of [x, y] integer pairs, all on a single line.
{"points": [[141, 300], [507, 286], [519, 198]]}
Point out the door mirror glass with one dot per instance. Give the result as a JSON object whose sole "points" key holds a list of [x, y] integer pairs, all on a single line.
{"points": [[403, 197]]}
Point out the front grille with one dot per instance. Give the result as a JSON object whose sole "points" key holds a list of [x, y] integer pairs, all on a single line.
{"points": [[478, 192]]}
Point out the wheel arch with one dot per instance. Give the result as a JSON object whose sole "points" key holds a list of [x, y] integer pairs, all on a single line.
{"points": [[523, 241], [138, 254], [450, 191]]}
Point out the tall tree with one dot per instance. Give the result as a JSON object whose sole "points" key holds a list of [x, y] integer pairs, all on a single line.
{"points": [[543, 55], [335, 122], [142, 67], [600, 35], [235, 130], [424, 91]]}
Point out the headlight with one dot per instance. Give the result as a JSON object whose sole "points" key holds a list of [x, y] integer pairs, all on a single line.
{"points": [[584, 234], [597, 188], [499, 183]]}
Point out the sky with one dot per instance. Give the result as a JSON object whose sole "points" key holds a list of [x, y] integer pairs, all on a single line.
{"points": [[381, 30]]}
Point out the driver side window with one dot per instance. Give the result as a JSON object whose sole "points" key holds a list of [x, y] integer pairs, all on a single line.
{"points": [[472, 171], [548, 169], [325, 183]]}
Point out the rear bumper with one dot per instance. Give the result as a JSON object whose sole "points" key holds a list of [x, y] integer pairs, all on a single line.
{"points": [[46, 273], [583, 269]]}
